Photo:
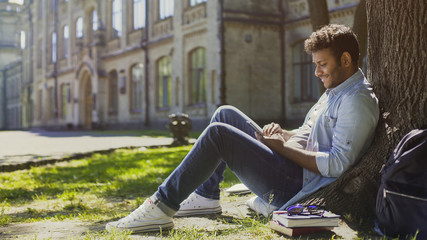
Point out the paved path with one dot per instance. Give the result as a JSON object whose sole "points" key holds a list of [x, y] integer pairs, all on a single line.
{"points": [[20, 149]]}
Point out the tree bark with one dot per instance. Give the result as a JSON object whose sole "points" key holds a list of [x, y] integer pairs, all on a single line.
{"points": [[396, 68], [319, 16], [319, 13], [360, 27]]}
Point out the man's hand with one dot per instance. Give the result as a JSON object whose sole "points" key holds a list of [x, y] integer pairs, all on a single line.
{"points": [[274, 128], [271, 129], [277, 143]]}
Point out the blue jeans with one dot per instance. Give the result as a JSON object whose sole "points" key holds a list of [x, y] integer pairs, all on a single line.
{"points": [[230, 140]]}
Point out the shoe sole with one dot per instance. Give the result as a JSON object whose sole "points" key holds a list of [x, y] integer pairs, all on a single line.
{"points": [[152, 228], [145, 228], [194, 212]]}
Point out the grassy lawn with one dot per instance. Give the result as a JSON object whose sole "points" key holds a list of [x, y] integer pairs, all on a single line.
{"points": [[102, 188], [105, 187]]}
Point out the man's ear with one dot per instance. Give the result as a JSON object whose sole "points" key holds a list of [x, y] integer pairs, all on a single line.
{"points": [[346, 59]]}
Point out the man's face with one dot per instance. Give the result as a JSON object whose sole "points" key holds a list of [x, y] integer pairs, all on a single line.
{"points": [[328, 69]]}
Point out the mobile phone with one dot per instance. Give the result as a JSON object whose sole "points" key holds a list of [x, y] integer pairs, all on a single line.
{"points": [[255, 127]]}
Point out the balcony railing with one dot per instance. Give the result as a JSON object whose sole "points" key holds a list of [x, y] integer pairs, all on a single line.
{"points": [[194, 14], [63, 64], [163, 28], [297, 9]]}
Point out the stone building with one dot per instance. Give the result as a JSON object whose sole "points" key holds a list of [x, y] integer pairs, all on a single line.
{"points": [[12, 43], [131, 63]]}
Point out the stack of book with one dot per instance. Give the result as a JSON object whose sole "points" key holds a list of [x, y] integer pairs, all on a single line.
{"points": [[295, 225]]}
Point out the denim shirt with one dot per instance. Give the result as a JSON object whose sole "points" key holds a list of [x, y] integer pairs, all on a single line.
{"points": [[339, 128]]}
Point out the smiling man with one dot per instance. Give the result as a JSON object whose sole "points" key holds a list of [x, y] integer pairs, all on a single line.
{"points": [[281, 167]]}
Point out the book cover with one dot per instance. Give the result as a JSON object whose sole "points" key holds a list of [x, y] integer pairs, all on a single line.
{"points": [[327, 219], [238, 189], [292, 232]]}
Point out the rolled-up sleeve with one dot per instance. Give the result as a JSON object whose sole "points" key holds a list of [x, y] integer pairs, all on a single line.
{"points": [[352, 134]]}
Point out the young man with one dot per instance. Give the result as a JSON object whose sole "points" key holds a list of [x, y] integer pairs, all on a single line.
{"points": [[280, 166]]}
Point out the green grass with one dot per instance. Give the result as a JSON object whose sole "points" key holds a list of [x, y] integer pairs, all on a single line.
{"points": [[96, 189], [105, 187]]}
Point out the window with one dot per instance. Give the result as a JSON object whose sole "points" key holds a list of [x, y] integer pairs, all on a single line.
{"points": [[164, 87], [54, 47], [79, 27], [94, 20], [22, 39], [65, 37], [64, 100], [306, 84], [165, 8], [40, 104], [138, 14], [51, 101], [117, 18], [136, 87], [195, 2], [113, 93], [197, 76]]}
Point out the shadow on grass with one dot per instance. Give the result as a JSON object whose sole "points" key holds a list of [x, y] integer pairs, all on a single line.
{"points": [[113, 178], [120, 174]]}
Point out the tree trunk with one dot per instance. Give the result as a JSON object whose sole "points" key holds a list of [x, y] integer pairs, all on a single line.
{"points": [[396, 67], [319, 13], [319, 16], [360, 27]]}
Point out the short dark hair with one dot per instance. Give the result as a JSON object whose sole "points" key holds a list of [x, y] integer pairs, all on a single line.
{"points": [[338, 38]]}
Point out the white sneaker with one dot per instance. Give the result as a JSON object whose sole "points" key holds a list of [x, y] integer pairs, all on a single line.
{"points": [[198, 205], [260, 206], [147, 217]]}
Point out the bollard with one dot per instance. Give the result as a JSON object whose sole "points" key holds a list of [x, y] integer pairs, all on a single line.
{"points": [[180, 126]]}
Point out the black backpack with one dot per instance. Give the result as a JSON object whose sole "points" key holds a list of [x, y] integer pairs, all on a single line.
{"points": [[401, 207]]}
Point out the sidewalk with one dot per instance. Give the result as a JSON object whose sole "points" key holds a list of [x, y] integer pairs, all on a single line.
{"points": [[22, 149]]}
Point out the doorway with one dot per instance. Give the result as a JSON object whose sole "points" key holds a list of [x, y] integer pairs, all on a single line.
{"points": [[86, 102]]}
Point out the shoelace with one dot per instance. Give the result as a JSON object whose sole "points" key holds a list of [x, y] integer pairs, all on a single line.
{"points": [[135, 214], [190, 199]]}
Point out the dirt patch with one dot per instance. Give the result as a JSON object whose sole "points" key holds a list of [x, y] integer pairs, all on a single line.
{"points": [[234, 207], [45, 230]]}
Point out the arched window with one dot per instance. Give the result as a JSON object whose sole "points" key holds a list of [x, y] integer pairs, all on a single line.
{"points": [[79, 27], [165, 8], [117, 18], [137, 79], [113, 93], [197, 83], [65, 37], [22, 38], [53, 57], [306, 84], [39, 104], [138, 14], [65, 88], [164, 88], [195, 2], [94, 20], [51, 103]]}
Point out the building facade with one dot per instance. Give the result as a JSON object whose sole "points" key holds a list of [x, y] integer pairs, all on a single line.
{"points": [[131, 63], [12, 43]]}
